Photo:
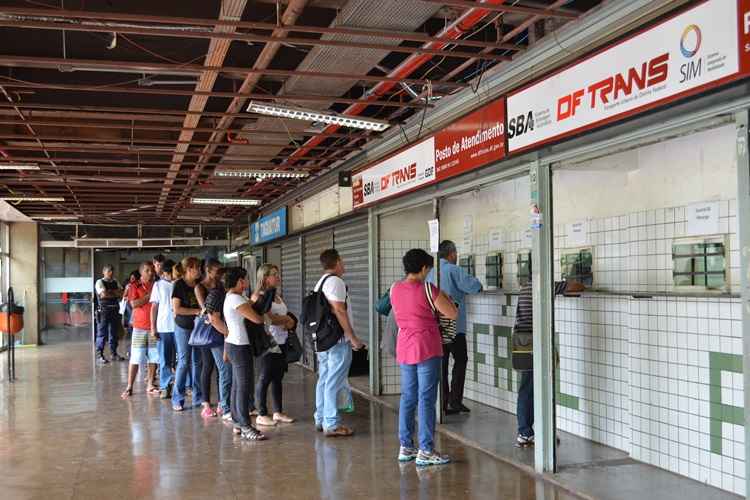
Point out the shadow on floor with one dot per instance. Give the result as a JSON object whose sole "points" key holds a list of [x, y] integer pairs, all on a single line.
{"points": [[586, 468]]}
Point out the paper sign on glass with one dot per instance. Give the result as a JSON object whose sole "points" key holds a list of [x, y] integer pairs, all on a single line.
{"points": [[496, 240], [703, 218], [434, 228], [577, 234]]}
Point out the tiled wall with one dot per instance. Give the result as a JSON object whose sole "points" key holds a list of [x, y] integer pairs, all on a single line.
{"points": [[659, 378], [391, 269]]}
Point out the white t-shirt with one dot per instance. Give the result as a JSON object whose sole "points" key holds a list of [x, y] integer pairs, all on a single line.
{"points": [[161, 294], [335, 290], [278, 332], [234, 320]]}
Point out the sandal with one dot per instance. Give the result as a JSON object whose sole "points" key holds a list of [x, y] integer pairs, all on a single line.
{"points": [[127, 393], [177, 407], [153, 390], [252, 434], [208, 412], [340, 431]]}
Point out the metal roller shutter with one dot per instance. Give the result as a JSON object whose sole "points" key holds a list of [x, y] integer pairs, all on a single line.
{"points": [[350, 240], [291, 280], [315, 243]]}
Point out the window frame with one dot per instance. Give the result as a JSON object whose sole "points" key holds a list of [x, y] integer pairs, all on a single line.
{"points": [[695, 258]]}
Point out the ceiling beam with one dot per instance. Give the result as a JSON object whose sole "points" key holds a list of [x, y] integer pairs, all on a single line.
{"points": [[73, 65], [11, 83], [248, 37], [152, 22]]}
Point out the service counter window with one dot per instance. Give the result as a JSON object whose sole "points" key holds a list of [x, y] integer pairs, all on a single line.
{"points": [[577, 265], [523, 260], [494, 270], [466, 262], [699, 264]]}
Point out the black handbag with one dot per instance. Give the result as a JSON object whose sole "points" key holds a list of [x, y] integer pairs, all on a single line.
{"points": [[293, 351], [260, 340]]}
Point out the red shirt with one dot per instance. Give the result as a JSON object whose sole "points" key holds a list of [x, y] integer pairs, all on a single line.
{"points": [[141, 315]]}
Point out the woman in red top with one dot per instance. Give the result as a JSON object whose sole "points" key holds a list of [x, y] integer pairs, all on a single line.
{"points": [[419, 352]]}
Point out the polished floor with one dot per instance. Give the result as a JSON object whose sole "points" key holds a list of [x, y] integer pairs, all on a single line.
{"points": [[65, 433]]}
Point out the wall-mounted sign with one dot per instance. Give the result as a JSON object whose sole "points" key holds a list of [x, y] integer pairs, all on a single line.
{"points": [[681, 56], [577, 234], [471, 142], [433, 227], [703, 219], [269, 227]]}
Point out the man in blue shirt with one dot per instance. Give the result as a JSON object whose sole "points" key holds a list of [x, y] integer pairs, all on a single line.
{"points": [[456, 283]]}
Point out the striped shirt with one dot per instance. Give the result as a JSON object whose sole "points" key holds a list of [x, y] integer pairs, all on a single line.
{"points": [[525, 307]]}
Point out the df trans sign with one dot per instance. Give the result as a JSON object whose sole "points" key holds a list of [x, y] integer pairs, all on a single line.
{"points": [[471, 142], [698, 49], [269, 227]]}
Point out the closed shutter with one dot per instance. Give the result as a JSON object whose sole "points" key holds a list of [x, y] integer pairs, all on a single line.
{"points": [[291, 275], [315, 243], [350, 240]]}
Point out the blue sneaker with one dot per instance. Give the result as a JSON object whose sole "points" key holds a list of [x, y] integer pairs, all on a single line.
{"points": [[406, 454], [425, 458]]}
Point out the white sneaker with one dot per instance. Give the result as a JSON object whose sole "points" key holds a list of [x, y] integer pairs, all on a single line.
{"points": [[425, 458], [227, 417], [406, 454]]}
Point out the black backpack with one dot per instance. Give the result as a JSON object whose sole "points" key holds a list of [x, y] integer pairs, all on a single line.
{"points": [[318, 321]]}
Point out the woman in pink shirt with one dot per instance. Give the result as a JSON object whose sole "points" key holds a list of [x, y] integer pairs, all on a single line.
{"points": [[419, 352]]}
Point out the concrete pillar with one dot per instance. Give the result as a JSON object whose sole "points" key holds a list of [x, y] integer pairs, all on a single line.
{"points": [[24, 274]]}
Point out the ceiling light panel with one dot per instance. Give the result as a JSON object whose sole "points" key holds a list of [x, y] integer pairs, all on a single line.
{"points": [[261, 174], [39, 199], [248, 202], [19, 166], [316, 116]]}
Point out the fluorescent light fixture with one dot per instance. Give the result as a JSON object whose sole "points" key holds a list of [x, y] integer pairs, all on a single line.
{"points": [[225, 201], [54, 217], [261, 174], [201, 218], [317, 116], [19, 166], [39, 199]]}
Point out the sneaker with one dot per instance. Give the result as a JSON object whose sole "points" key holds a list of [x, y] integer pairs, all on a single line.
{"points": [[227, 417], [406, 454], [524, 441], [340, 431], [164, 394], [425, 458], [265, 421], [102, 360], [463, 408], [252, 434]]}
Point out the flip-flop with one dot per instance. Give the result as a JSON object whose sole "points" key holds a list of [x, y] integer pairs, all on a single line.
{"points": [[153, 391]]}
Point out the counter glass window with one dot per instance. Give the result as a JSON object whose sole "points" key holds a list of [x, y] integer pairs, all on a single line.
{"points": [[577, 266], [494, 270], [523, 260], [699, 264], [467, 264]]}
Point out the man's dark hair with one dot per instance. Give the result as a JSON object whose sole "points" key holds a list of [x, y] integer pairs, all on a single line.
{"points": [[166, 266], [329, 258], [232, 275], [213, 264], [416, 259], [108, 267], [159, 258], [446, 248]]}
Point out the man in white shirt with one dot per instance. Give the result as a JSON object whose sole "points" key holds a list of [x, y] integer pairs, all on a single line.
{"points": [[334, 364], [162, 327]]}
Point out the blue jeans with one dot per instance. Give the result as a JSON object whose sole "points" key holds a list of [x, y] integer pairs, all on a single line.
{"points": [[187, 362], [525, 404], [419, 385], [106, 329], [225, 377], [333, 370], [167, 360]]}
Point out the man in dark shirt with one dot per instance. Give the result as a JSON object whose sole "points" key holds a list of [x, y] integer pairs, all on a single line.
{"points": [[108, 294], [525, 324]]}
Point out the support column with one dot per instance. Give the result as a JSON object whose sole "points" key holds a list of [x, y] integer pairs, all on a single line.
{"points": [[440, 414], [743, 224], [541, 259], [373, 238]]}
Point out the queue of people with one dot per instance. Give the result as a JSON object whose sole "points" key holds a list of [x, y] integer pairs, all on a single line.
{"points": [[170, 301]]}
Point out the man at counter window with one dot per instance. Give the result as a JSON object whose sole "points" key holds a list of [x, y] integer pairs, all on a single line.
{"points": [[457, 283], [525, 324]]}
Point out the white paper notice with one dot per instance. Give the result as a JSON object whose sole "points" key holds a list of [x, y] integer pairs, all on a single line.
{"points": [[577, 234], [703, 218], [496, 240], [528, 238], [468, 233], [434, 228]]}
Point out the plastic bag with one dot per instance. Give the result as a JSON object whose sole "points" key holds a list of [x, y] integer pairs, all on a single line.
{"points": [[344, 399]]}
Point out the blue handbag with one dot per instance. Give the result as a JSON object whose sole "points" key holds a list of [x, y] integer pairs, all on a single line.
{"points": [[383, 306], [205, 335]]}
